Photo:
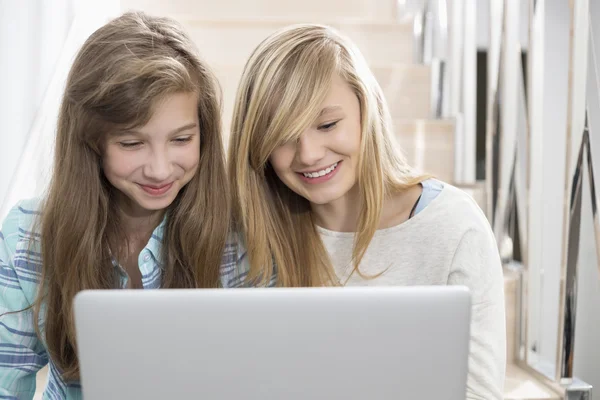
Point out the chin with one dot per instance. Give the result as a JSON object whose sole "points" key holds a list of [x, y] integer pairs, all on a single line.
{"points": [[319, 202], [325, 195], [155, 204], [322, 199]]}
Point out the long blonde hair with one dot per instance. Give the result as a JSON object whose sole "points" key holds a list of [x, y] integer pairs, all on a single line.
{"points": [[280, 94], [120, 74]]}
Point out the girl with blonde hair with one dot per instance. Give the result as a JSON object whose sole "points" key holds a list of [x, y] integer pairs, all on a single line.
{"points": [[322, 193], [135, 199]]}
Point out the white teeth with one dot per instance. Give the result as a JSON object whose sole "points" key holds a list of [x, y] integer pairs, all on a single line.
{"points": [[322, 172]]}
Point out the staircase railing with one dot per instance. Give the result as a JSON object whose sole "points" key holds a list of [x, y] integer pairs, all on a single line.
{"points": [[444, 39], [509, 165]]}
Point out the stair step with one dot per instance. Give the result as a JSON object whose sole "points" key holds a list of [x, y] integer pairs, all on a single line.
{"points": [[428, 145], [231, 41], [407, 89], [310, 10], [521, 385]]}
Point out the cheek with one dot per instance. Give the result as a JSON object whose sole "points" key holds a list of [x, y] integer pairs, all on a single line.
{"points": [[188, 158], [347, 142], [117, 165], [281, 160]]}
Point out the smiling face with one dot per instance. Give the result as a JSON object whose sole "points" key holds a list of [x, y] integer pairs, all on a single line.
{"points": [[322, 164], [150, 164]]}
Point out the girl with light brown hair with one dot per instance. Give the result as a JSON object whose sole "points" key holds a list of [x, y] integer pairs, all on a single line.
{"points": [[322, 193], [135, 201]]}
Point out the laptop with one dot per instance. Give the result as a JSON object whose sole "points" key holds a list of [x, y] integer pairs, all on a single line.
{"points": [[274, 343]]}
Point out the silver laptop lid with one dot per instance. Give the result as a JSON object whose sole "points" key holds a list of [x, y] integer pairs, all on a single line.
{"points": [[318, 343]]}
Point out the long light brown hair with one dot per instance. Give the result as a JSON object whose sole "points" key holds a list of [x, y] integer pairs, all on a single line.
{"points": [[120, 74], [280, 94]]}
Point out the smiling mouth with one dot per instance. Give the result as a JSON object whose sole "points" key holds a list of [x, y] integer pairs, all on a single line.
{"points": [[320, 173], [156, 190]]}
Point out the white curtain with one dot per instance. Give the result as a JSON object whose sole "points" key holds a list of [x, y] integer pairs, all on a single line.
{"points": [[38, 40], [32, 34]]}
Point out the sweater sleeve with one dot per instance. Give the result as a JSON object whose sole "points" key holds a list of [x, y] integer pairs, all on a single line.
{"points": [[476, 264]]}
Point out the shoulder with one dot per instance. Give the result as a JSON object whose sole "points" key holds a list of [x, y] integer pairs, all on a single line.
{"points": [[233, 268], [447, 221], [20, 222], [20, 248], [235, 265], [476, 253], [234, 248], [454, 210]]}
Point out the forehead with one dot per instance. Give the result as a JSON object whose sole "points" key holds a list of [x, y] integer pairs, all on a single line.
{"points": [[173, 110], [339, 98], [167, 115]]}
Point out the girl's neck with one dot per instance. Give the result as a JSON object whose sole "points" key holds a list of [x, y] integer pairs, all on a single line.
{"points": [[341, 215], [137, 222]]}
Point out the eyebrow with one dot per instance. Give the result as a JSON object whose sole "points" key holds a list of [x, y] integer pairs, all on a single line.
{"points": [[173, 132], [330, 109]]}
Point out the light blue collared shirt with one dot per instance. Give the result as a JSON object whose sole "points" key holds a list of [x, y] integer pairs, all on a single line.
{"points": [[22, 352]]}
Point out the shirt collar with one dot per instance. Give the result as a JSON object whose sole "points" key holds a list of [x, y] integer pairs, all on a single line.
{"points": [[154, 245]]}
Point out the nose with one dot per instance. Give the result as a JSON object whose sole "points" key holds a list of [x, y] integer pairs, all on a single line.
{"points": [[310, 149], [158, 167]]}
